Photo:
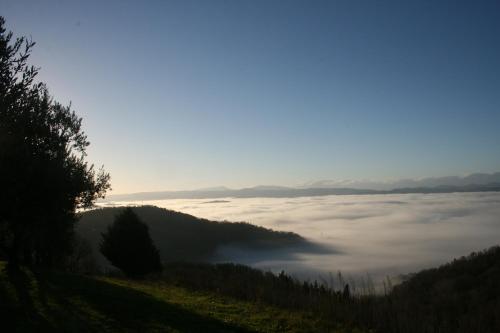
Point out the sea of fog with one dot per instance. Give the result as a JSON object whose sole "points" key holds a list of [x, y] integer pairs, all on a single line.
{"points": [[378, 235]]}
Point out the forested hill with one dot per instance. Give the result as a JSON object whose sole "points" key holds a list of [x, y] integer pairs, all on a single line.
{"points": [[183, 237], [461, 296]]}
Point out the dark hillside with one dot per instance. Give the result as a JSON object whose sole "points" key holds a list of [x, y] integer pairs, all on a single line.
{"points": [[183, 237], [461, 296]]}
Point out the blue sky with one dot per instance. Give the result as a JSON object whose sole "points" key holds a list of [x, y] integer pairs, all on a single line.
{"points": [[191, 94]]}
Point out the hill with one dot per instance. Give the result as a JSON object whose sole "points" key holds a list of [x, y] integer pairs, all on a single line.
{"points": [[183, 237], [461, 296]]}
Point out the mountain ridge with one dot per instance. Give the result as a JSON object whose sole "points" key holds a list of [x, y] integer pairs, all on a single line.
{"points": [[283, 192]]}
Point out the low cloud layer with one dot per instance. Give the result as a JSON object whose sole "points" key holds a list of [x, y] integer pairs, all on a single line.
{"points": [[376, 234]]}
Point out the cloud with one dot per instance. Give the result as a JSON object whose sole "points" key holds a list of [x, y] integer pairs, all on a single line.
{"points": [[377, 234]]}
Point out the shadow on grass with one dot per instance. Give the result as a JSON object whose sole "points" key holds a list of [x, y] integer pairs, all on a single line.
{"points": [[17, 306], [72, 303]]}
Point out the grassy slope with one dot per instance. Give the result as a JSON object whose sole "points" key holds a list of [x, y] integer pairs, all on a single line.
{"points": [[64, 302]]}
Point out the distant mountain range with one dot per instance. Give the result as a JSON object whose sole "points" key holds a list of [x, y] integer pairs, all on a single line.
{"points": [[472, 183], [472, 179]]}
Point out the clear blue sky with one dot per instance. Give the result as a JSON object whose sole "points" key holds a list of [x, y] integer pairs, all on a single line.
{"points": [[190, 94]]}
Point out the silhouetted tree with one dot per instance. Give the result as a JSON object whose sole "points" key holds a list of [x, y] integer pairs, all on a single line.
{"points": [[129, 247], [44, 177]]}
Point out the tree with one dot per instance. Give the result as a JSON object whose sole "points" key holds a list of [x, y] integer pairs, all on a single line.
{"points": [[129, 247], [44, 177]]}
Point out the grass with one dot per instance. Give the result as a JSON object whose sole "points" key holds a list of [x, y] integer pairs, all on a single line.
{"points": [[55, 301]]}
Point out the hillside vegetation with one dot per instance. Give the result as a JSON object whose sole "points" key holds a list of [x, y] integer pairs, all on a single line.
{"points": [[183, 237], [460, 297], [61, 302]]}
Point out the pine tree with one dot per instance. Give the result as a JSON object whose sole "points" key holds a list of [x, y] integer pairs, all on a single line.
{"points": [[129, 247]]}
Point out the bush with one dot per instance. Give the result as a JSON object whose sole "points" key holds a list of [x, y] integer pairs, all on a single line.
{"points": [[129, 247]]}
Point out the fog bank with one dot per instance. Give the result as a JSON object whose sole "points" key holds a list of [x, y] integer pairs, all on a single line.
{"points": [[375, 234]]}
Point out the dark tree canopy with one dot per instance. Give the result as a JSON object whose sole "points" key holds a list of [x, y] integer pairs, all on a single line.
{"points": [[44, 177], [129, 247]]}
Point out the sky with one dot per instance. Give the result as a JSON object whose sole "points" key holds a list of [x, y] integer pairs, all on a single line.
{"points": [[192, 94]]}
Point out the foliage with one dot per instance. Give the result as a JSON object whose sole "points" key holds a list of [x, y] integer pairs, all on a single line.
{"points": [[43, 173], [129, 247]]}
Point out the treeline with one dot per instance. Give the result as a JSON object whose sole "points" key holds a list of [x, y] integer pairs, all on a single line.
{"points": [[183, 237], [460, 297], [255, 285]]}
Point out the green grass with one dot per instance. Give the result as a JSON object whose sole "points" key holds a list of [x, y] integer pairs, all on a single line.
{"points": [[55, 301]]}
